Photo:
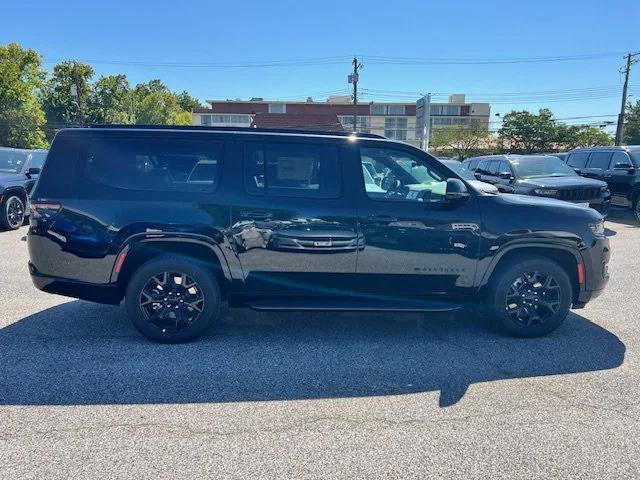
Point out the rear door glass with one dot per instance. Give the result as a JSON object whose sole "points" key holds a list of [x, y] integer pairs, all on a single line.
{"points": [[578, 160], [155, 164]]}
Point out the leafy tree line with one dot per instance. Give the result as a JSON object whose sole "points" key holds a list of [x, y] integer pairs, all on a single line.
{"points": [[33, 103], [526, 132]]}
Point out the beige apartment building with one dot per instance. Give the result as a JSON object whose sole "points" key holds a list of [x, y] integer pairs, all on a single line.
{"points": [[391, 119]]}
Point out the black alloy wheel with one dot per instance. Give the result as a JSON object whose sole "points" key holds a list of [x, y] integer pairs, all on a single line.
{"points": [[533, 298], [529, 296], [13, 213], [171, 301]]}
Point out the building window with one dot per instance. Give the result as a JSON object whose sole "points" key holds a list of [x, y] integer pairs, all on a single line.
{"points": [[379, 109], [205, 119], [395, 128], [363, 126], [277, 108], [445, 110]]}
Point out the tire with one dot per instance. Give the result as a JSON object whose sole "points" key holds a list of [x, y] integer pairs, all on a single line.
{"points": [[180, 312], [526, 288], [635, 208], [12, 213]]}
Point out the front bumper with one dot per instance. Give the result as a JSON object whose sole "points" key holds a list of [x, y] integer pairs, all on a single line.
{"points": [[596, 268], [101, 293]]}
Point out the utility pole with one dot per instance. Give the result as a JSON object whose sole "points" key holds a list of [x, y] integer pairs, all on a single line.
{"points": [[353, 78], [426, 128], [76, 91], [620, 128]]}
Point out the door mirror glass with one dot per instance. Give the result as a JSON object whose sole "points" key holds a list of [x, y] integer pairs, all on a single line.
{"points": [[456, 190], [505, 175], [33, 171]]}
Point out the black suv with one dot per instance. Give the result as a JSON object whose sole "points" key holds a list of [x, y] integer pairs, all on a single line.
{"points": [[618, 166], [540, 175], [179, 220], [19, 170]]}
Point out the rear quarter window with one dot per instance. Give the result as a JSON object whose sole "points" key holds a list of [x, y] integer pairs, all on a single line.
{"points": [[153, 164], [578, 160]]}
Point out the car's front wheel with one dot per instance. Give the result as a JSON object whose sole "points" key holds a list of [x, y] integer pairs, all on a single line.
{"points": [[530, 296], [13, 213], [173, 300]]}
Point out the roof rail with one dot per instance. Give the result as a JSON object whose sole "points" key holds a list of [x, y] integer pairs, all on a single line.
{"points": [[237, 129]]}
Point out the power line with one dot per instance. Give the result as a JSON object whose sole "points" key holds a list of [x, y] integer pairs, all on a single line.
{"points": [[377, 59]]}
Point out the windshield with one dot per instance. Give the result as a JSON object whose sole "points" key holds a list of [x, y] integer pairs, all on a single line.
{"points": [[11, 161], [459, 169], [534, 167]]}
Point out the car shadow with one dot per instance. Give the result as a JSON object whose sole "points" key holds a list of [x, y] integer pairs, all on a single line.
{"points": [[622, 216], [80, 353]]}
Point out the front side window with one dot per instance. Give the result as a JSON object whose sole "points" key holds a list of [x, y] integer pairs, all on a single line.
{"points": [[37, 159], [153, 164], [620, 158], [291, 169], [600, 160], [403, 177]]}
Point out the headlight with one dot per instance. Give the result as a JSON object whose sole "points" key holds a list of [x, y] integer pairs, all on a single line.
{"points": [[546, 192], [597, 228]]}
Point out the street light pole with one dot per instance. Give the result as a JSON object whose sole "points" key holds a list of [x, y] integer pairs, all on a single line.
{"points": [[426, 128]]}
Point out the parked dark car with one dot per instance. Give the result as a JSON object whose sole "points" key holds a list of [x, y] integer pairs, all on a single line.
{"points": [[619, 167], [542, 176], [468, 175], [178, 220], [19, 170]]}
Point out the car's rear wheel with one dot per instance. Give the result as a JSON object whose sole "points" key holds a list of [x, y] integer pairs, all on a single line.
{"points": [[636, 208], [13, 213], [530, 296], [173, 300]]}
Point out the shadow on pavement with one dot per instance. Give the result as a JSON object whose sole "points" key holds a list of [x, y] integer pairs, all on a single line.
{"points": [[83, 353]]}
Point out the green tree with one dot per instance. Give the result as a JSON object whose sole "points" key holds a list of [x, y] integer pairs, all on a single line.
{"points": [[461, 140], [632, 124], [67, 93], [528, 132], [187, 102], [111, 101], [21, 116], [155, 104]]}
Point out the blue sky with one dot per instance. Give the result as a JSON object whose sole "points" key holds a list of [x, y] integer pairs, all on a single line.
{"points": [[257, 31]]}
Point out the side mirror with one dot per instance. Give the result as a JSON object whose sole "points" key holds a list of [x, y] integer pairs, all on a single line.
{"points": [[625, 166], [477, 175], [33, 171], [505, 175], [456, 191]]}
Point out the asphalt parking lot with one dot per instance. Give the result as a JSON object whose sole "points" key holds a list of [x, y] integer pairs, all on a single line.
{"points": [[83, 395]]}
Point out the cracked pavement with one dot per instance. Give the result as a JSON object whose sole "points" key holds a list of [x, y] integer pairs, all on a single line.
{"points": [[324, 395]]}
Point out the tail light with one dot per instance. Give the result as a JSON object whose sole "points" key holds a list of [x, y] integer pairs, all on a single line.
{"points": [[44, 210]]}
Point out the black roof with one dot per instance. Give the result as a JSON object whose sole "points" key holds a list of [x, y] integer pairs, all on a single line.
{"points": [[235, 129]]}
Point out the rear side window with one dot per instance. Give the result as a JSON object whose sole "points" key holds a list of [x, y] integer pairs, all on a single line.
{"points": [[471, 165], [292, 169], [155, 164], [578, 160], [600, 160]]}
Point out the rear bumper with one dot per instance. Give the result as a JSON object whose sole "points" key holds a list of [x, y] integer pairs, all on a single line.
{"points": [[100, 293]]}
